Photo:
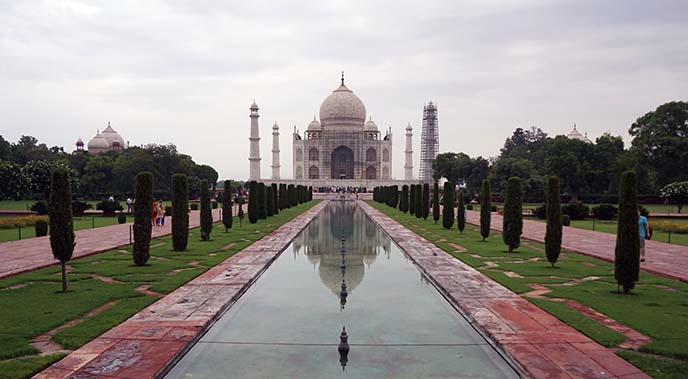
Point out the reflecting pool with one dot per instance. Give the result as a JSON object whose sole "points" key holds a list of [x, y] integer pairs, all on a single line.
{"points": [[342, 271]]}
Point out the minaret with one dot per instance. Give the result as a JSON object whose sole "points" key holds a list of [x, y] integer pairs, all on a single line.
{"points": [[408, 166], [275, 152], [429, 142], [254, 157]]}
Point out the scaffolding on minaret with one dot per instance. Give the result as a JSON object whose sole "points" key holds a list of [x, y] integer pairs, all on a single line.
{"points": [[429, 142]]}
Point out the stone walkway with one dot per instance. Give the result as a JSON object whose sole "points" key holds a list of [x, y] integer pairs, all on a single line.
{"points": [[539, 344], [34, 253], [667, 260], [146, 344]]}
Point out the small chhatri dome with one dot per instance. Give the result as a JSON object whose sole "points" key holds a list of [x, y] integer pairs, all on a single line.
{"points": [[254, 105], [342, 108], [79, 142], [370, 126], [408, 127], [275, 127], [314, 125], [98, 142]]}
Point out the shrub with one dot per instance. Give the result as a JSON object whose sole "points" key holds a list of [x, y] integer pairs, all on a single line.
{"points": [[193, 206], [180, 213], [425, 201], [20, 221], [253, 202], [469, 207], [435, 202], [213, 204], [512, 222], [227, 217], [448, 205], [404, 200], [262, 205], [142, 218], [291, 195], [61, 222], [554, 221], [40, 207], [109, 208], [541, 211], [275, 198], [268, 202], [485, 206], [206, 212], [576, 210], [493, 208], [627, 250], [461, 213], [670, 226], [121, 218], [41, 227], [79, 207], [604, 211], [676, 193], [566, 220], [412, 199]]}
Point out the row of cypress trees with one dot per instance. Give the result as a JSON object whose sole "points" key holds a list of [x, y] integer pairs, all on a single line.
{"points": [[266, 201], [387, 195]]}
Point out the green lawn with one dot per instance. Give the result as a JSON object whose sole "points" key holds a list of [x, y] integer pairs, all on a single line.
{"points": [[32, 307], [84, 222], [658, 307]]}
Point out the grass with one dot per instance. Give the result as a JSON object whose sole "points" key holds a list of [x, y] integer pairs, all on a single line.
{"points": [[658, 308], [32, 306], [84, 222], [658, 368]]}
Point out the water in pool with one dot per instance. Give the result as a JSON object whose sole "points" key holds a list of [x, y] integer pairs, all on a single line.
{"points": [[289, 323]]}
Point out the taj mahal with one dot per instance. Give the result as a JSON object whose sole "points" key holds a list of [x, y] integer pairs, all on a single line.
{"points": [[342, 148]]}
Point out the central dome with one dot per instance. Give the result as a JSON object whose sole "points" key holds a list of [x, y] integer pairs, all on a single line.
{"points": [[342, 108]]}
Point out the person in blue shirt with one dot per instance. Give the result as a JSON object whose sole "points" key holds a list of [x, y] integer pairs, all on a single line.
{"points": [[643, 228]]}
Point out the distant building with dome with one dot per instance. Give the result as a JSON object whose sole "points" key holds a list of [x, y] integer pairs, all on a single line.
{"points": [[575, 134], [107, 140]]}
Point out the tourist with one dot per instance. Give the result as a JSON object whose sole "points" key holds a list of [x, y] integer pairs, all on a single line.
{"points": [[111, 199], [644, 233], [161, 213], [129, 204], [154, 218]]}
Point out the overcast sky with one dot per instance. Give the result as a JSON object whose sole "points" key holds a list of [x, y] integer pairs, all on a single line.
{"points": [[186, 72]]}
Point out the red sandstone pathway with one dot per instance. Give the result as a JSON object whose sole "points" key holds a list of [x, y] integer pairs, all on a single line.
{"points": [[539, 343], [147, 343], [668, 260], [33, 253]]}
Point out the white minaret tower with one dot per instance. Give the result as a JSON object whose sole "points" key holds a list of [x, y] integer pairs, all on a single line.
{"points": [[275, 152], [408, 165], [254, 157]]}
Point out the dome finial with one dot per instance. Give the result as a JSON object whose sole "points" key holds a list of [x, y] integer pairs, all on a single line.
{"points": [[342, 77]]}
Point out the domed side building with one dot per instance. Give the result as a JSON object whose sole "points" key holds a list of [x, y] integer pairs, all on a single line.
{"points": [[342, 145], [107, 140]]}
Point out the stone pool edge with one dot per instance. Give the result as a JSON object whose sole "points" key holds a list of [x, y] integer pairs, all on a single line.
{"points": [[150, 342], [537, 343]]}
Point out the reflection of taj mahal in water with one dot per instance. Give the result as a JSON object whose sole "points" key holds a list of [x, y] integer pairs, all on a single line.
{"points": [[321, 243]]}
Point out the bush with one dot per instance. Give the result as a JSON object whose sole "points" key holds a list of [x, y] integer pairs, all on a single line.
{"points": [[253, 202], [41, 227], [461, 213], [448, 205], [554, 221], [40, 207], [541, 211], [576, 210], [142, 218], [604, 211], [566, 220], [512, 222], [469, 207], [109, 208], [269, 205], [61, 222], [670, 226], [206, 212], [485, 206], [121, 218], [435, 202], [213, 204], [419, 201], [493, 208], [194, 206], [79, 207], [412, 199], [262, 202], [275, 198], [404, 200], [227, 218], [425, 201], [20, 221], [627, 250]]}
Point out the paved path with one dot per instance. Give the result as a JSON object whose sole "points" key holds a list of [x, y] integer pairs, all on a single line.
{"points": [[33, 253], [667, 260], [145, 345], [538, 343]]}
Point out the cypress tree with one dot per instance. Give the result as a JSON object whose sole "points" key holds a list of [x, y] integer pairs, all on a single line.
{"points": [[180, 212], [283, 196], [412, 201], [554, 228], [262, 210], [436, 202], [253, 202], [512, 226], [227, 205], [426, 201], [310, 193], [419, 201], [291, 195], [404, 201], [269, 202], [461, 213], [395, 196], [61, 221], [275, 199], [448, 205], [485, 206], [627, 251], [206, 212], [143, 225]]}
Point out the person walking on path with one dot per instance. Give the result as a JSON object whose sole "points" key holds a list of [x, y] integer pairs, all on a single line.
{"points": [[644, 233], [154, 218], [161, 213], [129, 204]]}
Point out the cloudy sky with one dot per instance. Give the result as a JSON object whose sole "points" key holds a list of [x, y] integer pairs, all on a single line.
{"points": [[186, 71]]}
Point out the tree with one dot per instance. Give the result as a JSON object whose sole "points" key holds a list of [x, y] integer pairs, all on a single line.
{"points": [[269, 204], [460, 168], [142, 218], [262, 204], [554, 228], [485, 209], [573, 161], [425, 203], [661, 139], [206, 212], [412, 201], [513, 215], [448, 205], [676, 193], [404, 201], [253, 202], [461, 213], [275, 199], [227, 195], [506, 168], [436, 202], [283, 196], [627, 251], [291, 195], [13, 183], [525, 144], [180, 212], [419, 201], [61, 223]]}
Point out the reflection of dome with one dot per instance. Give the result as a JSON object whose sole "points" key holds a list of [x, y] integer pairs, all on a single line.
{"points": [[342, 108], [314, 125], [370, 126]]}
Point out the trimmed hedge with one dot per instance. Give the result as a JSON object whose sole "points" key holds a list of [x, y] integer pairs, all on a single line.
{"points": [[627, 250], [142, 218], [206, 212], [61, 221], [180, 214]]}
